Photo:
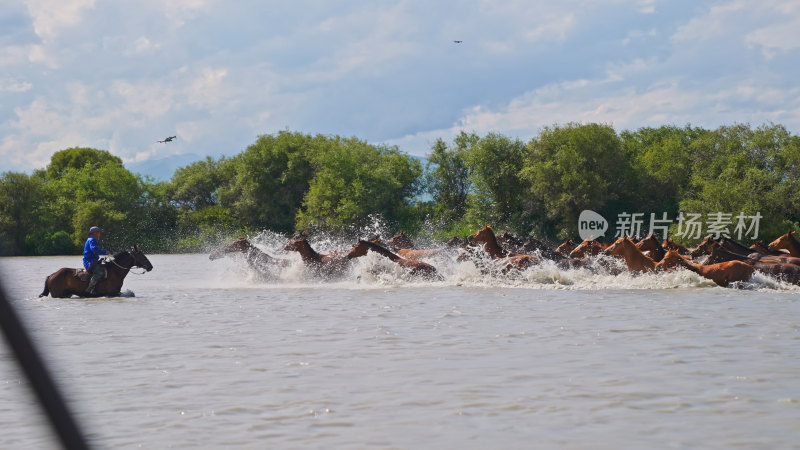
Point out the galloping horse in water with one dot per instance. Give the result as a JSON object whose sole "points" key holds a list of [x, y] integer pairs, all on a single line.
{"points": [[720, 273], [651, 245], [325, 265], [492, 247], [634, 258], [589, 247], [566, 247], [669, 244], [67, 282], [256, 259], [416, 267], [786, 242]]}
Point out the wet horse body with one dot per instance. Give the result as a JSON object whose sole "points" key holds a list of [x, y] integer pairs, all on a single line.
{"points": [[416, 268], [66, 282], [720, 273], [503, 258], [260, 262], [325, 265], [634, 258]]}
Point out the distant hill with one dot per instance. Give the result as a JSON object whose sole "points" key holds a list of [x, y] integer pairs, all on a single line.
{"points": [[162, 169]]}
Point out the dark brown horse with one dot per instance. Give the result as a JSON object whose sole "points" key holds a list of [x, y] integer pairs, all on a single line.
{"points": [[651, 245], [67, 282], [490, 245], [325, 265], [399, 240], [761, 247], [566, 247], [786, 242], [417, 268], [259, 261], [669, 244], [589, 247], [634, 258], [721, 273], [704, 248]]}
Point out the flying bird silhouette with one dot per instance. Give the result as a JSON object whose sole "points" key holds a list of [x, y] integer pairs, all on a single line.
{"points": [[169, 139], [458, 42]]}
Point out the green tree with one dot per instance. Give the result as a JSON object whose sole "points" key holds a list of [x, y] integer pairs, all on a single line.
{"points": [[738, 169], [269, 180], [354, 180], [195, 185], [662, 162], [448, 177], [572, 168], [20, 209], [496, 162], [78, 158]]}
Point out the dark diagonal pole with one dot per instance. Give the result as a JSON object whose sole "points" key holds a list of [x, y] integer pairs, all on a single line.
{"points": [[33, 365]]}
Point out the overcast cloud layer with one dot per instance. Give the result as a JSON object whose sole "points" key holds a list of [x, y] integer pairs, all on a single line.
{"points": [[119, 75]]}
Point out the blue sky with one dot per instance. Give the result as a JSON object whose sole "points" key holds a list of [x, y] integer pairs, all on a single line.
{"points": [[120, 75]]}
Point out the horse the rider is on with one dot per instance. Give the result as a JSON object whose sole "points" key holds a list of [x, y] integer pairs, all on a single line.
{"points": [[91, 258]]}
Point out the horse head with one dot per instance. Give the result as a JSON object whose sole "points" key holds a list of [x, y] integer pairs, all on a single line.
{"points": [[649, 244], [589, 247], [671, 260], [705, 248], [400, 240], [785, 242], [240, 245], [485, 234], [566, 247], [139, 259]]}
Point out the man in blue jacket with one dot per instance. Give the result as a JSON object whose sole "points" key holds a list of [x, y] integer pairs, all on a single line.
{"points": [[91, 258]]}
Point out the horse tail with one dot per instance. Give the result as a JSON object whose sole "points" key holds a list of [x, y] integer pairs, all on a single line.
{"points": [[46, 290]]}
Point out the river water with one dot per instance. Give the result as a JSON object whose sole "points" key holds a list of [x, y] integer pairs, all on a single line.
{"points": [[199, 354]]}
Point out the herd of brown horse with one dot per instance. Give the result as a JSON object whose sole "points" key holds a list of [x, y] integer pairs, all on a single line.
{"points": [[723, 260]]}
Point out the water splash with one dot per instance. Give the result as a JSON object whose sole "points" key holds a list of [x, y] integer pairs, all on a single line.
{"points": [[374, 270]]}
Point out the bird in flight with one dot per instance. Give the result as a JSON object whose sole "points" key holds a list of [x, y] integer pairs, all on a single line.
{"points": [[458, 42], [169, 139]]}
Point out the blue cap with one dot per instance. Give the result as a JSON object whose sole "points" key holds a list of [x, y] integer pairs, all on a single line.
{"points": [[95, 230]]}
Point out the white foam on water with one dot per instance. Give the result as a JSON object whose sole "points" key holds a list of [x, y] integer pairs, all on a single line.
{"points": [[374, 270]]}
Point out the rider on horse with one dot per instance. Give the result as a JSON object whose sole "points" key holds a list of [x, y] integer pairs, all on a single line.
{"points": [[91, 258]]}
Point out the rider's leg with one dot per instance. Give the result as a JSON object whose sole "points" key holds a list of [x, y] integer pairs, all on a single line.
{"points": [[98, 272]]}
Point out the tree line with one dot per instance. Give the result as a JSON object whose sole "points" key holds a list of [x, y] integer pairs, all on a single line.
{"points": [[292, 181]]}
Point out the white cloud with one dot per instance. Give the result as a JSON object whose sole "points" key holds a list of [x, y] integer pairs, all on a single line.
{"points": [[50, 17], [14, 85], [714, 24]]}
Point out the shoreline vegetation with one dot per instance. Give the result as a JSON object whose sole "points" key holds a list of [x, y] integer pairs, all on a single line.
{"points": [[291, 181]]}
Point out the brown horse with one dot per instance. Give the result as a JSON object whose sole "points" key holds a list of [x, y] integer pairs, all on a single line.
{"points": [[493, 249], [256, 259], [786, 242], [721, 273], [669, 244], [67, 282], [634, 258], [325, 265], [399, 240], [762, 248], [410, 253], [534, 245], [651, 245], [417, 268], [589, 247], [566, 247], [704, 248]]}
